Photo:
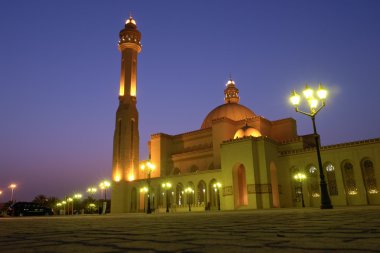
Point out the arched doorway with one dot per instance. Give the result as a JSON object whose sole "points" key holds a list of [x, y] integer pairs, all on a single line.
{"points": [[201, 193], [212, 203], [240, 186], [179, 195]]}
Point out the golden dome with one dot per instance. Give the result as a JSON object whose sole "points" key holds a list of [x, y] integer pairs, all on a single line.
{"points": [[246, 131], [231, 111]]}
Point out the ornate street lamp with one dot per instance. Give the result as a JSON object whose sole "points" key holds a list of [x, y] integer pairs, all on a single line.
{"points": [[217, 187], [167, 187], [92, 190], [300, 177], [12, 187], [104, 186], [148, 167], [313, 103], [189, 192]]}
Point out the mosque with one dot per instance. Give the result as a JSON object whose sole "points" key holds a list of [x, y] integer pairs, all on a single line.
{"points": [[235, 160]]}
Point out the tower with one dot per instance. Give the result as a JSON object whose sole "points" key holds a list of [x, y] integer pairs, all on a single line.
{"points": [[126, 135], [231, 93]]}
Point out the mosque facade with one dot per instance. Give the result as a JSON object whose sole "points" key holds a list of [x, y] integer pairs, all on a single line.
{"points": [[236, 160]]}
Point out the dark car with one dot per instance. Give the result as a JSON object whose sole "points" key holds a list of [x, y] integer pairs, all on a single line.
{"points": [[28, 208]]}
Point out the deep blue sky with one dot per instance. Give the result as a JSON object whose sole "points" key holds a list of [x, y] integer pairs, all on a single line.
{"points": [[59, 73]]}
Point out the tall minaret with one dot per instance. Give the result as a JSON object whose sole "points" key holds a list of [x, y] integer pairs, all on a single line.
{"points": [[126, 136]]}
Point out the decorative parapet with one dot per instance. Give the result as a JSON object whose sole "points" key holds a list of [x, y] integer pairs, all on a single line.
{"points": [[331, 147], [259, 188]]}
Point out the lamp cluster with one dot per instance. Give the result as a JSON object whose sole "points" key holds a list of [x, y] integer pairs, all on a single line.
{"points": [[312, 100]]}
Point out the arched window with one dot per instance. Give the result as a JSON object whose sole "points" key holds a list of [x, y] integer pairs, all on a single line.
{"points": [[349, 178], [331, 180], [369, 176], [313, 181], [179, 195], [201, 193]]}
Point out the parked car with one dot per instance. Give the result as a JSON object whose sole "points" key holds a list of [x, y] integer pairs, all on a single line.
{"points": [[28, 208]]}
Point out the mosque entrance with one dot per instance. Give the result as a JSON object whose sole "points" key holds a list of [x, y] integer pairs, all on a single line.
{"points": [[240, 186]]}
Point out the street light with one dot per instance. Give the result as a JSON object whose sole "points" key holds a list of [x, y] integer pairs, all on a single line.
{"points": [[64, 206], [189, 191], [167, 187], [92, 190], [144, 190], [313, 102], [148, 167], [70, 200], [12, 187], [77, 196], [104, 186], [300, 177], [217, 187]]}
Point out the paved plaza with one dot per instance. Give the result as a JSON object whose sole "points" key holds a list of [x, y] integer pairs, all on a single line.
{"points": [[348, 229]]}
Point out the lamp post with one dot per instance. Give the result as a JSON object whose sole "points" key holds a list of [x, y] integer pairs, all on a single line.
{"points": [[148, 167], [64, 206], [189, 191], [104, 186], [92, 190], [313, 102], [77, 196], [59, 207], [70, 200], [144, 190], [167, 187], [300, 177], [217, 187], [12, 187]]}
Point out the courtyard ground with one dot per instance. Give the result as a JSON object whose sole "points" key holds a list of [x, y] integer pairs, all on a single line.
{"points": [[344, 229]]}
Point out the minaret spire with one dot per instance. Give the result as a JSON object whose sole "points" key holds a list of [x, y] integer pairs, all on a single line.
{"points": [[231, 93]]}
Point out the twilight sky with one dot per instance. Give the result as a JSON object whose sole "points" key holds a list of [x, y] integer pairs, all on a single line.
{"points": [[60, 66]]}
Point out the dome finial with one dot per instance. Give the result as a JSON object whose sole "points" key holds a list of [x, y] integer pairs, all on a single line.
{"points": [[130, 20]]}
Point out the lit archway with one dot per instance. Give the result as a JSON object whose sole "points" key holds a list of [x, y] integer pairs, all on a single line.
{"points": [[179, 195], [240, 186], [201, 193]]}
